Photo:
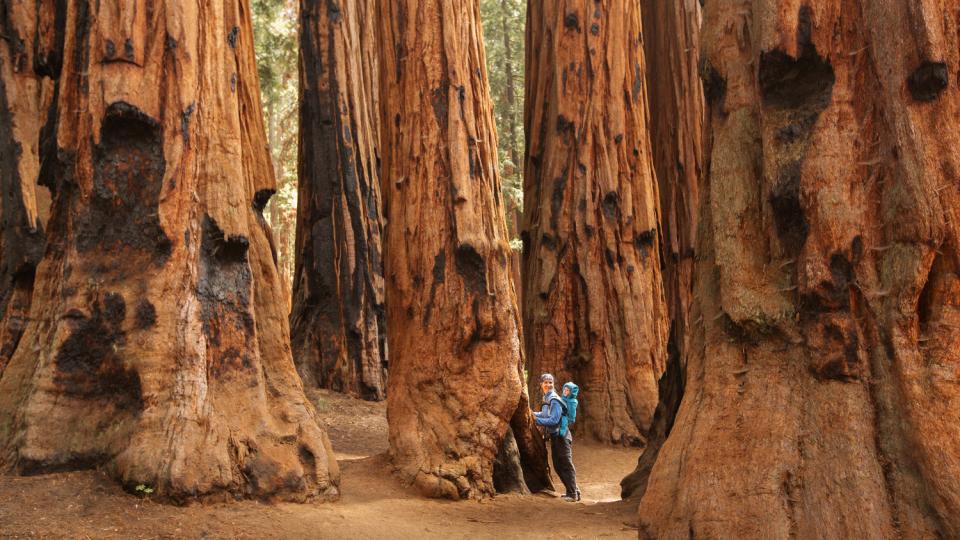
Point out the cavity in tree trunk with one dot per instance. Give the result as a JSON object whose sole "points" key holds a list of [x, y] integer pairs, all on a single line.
{"points": [[822, 382], [593, 301], [157, 346], [671, 42], [337, 322], [26, 90], [456, 388]]}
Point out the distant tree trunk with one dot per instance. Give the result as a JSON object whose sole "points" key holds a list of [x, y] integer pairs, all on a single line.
{"points": [[593, 300], [456, 388], [157, 345], [25, 95], [337, 322], [677, 110], [509, 97], [677, 113], [514, 219], [822, 385]]}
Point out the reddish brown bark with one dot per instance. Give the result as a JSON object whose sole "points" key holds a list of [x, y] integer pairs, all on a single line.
{"points": [[456, 399], [337, 322], [677, 110], [821, 395], [157, 346], [593, 301], [25, 93], [671, 42]]}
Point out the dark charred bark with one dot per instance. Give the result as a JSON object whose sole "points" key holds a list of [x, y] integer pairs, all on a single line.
{"points": [[337, 321], [25, 95]]}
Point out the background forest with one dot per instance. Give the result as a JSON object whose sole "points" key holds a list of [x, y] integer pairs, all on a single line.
{"points": [[275, 31]]}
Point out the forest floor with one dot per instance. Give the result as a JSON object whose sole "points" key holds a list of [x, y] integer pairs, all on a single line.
{"points": [[373, 504]]}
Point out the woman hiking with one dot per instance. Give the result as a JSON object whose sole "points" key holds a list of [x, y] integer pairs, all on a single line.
{"points": [[552, 416]]}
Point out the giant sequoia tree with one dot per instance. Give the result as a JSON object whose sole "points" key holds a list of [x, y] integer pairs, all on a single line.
{"points": [[822, 382], [672, 44], [593, 300], [457, 406], [25, 94], [337, 322], [157, 345]]}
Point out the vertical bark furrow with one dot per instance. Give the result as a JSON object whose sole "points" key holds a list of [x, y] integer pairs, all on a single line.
{"points": [[337, 321], [25, 95], [455, 389], [821, 396], [593, 301]]}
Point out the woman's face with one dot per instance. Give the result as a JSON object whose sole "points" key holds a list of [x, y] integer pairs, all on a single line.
{"points": [[546, 386]]}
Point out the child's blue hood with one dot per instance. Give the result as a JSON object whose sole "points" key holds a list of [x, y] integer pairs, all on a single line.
{"points": [[574, 389]]}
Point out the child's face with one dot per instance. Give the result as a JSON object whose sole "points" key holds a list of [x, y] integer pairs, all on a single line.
{"points": [[566, 391]]}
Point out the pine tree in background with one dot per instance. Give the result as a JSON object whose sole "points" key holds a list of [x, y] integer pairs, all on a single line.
{"points": [[503, 26], [275, 31]]}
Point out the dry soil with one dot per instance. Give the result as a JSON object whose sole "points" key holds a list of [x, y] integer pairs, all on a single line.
{"points": [[373, 505]]}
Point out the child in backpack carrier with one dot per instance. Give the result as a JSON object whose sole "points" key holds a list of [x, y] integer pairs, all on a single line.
{"points": [[570, 402]]}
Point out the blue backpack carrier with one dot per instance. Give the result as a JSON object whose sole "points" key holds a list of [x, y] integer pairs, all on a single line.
{"points": [[569, 404]]}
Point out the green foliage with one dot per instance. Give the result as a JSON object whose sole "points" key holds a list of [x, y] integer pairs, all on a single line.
{"points": [[503, 36], [143, 489], [276, 45]]}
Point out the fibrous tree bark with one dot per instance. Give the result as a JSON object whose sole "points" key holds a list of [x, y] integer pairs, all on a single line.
{"points": [[157, 345], [457, 406], [26, 90], [822, 384], [593, 300], [677, 113], [337, 321], [671, 33]]}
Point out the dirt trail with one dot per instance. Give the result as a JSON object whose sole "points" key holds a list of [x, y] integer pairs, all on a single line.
{"points": [[373, 505]]}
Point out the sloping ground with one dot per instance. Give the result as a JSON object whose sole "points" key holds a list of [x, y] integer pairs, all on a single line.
{"points": [[374, 504]]}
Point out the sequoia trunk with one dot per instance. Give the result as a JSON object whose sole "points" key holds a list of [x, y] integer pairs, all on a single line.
{"points": [[26, 91], [157, 345], [822, 382], [337, 322], [672, 44], [456, 387], [593, 300]]}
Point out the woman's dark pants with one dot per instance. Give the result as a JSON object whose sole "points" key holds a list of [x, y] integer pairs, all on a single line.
{"points": [[562, 450]]}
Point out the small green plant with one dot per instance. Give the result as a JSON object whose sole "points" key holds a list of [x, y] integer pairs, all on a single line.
{"points": [[143, 489]]}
